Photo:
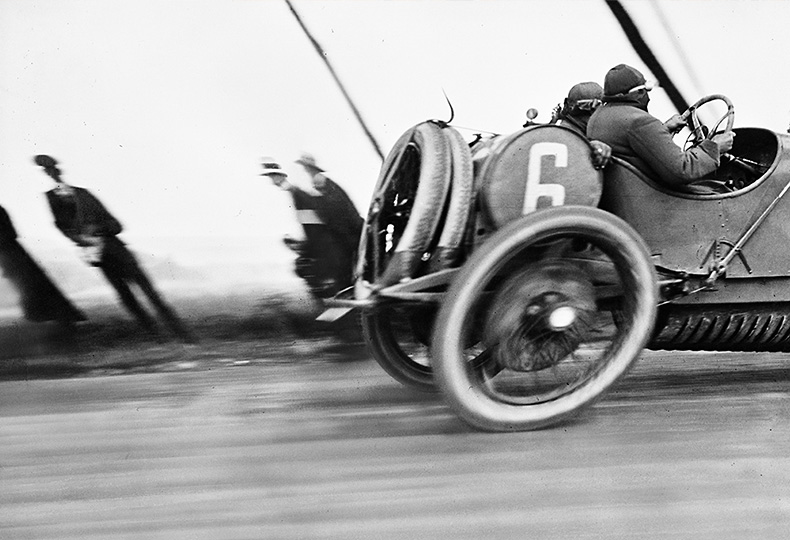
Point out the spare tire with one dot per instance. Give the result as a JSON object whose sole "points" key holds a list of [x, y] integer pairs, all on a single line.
{"points": [[459, 206], [406, 207]]}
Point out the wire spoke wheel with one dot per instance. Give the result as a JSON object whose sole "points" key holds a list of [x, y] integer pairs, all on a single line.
{"points": [[544, 290], [398, 347], [398, 337]]}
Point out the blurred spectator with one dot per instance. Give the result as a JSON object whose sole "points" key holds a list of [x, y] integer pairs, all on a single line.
{"points": [[82, 218], [335, 208], [40, 298], [321, 260]]}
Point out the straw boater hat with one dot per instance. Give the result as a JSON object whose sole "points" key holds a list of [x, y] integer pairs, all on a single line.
{"points": [[270, 167]]}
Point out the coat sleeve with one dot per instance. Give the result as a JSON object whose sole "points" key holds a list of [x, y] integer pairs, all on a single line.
{"points": [[653, 143], [96, 219]]}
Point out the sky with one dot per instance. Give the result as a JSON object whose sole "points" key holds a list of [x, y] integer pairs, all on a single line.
{"points": [[164, 108]]}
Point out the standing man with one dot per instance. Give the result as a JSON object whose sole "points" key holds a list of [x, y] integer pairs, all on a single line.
{"points": [[83, 219], [40, 298], [320, 261], [335, 208], [643, 140]]}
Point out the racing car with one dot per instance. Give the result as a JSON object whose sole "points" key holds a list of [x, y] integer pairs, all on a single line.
{"points": [[522, 282]]}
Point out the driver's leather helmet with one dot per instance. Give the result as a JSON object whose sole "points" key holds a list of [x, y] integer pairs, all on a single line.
{"points": [[621, 80], [583, 98]]}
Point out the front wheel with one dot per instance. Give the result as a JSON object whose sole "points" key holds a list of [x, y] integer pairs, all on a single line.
{"points": [[540, 293]]}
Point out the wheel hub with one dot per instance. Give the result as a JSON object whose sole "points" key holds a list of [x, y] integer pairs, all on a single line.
{"points": [[538, 317], [561, 318]]}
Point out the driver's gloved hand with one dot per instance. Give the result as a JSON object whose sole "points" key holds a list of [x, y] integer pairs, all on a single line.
{"points": [[601, 152], [724, 141], [675, 124]]}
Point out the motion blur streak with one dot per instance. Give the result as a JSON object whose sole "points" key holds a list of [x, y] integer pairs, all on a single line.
{"points": [[688, 446]]}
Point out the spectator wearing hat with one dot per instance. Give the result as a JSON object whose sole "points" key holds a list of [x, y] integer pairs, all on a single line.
{"points": [[583, 98], [81, 217], [40, 298], [639, 138], [335, 208], [320, 260]]}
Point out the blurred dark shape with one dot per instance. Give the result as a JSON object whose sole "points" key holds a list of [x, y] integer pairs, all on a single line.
{"points": [[83, 218], [337, 211], [332, 226], [325, 258], [47, 162], [40, 298]]}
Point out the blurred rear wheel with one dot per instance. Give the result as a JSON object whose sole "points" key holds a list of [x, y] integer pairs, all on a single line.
{"points": [[393, 335]]}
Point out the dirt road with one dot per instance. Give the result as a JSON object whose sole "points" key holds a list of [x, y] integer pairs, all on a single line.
{"points": [[317, 445]]}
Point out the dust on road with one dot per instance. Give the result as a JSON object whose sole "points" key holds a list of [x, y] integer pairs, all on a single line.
{"points": [[245, 440]]}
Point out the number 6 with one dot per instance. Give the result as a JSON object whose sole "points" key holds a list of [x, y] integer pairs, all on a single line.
{"points": [[534, 189]]}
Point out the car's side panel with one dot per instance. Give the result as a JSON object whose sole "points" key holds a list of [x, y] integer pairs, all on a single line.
{"points": [[688, 232]]}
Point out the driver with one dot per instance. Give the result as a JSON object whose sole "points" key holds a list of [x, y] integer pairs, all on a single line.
{"points": [[642, 140]]}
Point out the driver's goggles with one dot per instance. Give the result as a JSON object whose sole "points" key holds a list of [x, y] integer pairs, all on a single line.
{"points": [[648, 86], [587, 104]]}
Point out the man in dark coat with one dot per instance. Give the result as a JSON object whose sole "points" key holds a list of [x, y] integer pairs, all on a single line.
{"points": [[40, 298], [321, 259], [335, 208], [575, 112], [84, 219], [638, 137]]}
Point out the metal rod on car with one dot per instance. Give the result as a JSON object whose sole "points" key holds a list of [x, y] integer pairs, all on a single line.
{"points": [[748, 234]]}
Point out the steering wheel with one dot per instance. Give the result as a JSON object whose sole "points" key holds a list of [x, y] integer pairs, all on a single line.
{"points": [[700, 132]]}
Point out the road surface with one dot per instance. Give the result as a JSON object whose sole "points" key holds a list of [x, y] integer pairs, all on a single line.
{"points": [[314, 445]]}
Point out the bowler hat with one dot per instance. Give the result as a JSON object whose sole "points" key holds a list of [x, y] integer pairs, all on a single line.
{"points": [[270, 166], [48, 162], [621, 79]]}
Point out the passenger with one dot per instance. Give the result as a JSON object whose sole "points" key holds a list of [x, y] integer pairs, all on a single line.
{"points": [[644, 141], [583, 99]]}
